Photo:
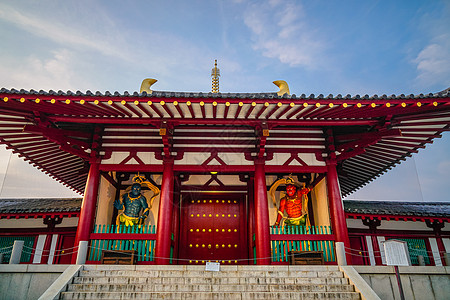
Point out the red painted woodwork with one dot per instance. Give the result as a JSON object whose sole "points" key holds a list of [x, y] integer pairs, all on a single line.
{"points": [[121, 236], [262, 231], [376, 250], [337, 209], [38, 215], [88, 206], [45, 259], [63, 253], [357, 250], [302, 237], [213, 228], [394, 217], [251, 214], [164, 228]]}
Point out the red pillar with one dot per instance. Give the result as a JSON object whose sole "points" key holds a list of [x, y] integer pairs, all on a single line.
{"points": [[251, 215], [262, 232], [164, 228], [87, 213], [337, 210]]}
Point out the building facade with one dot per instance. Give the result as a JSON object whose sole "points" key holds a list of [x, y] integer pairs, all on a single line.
{"points": [[215, 168]]}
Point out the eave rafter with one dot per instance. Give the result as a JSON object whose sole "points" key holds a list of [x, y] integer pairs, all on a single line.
{"points": [[349, 145], [64, 138], [394, 126]]}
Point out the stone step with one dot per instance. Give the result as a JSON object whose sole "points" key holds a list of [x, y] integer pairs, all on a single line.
{"points": [[212, 295], [209, 288], [206, 274], [202, 268], [209, 280]]}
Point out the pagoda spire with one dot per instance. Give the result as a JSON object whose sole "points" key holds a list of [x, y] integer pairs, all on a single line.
{"points": [[215, 73]]}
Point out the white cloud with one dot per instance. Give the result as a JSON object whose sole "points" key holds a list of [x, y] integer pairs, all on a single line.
{"points": [[59, 32], [279, 31], [54, 72], [433, 62]]}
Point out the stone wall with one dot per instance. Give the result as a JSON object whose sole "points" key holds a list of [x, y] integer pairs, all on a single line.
{"points": [[431, 283], [27, 282]]}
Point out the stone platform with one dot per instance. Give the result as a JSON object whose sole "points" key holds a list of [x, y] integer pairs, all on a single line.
{"points": [[193, 282]]}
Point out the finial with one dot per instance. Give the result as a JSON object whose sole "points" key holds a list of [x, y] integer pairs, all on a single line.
{"points": [[146, 84], [215, 73], [284, 87]]}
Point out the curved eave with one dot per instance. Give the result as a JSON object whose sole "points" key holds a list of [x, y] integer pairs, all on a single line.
{"points": [[419, 118]]}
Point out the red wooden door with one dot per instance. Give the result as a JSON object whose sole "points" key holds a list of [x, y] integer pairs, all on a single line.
{"points": [[357, 250], [213, 228], [65, 250]]}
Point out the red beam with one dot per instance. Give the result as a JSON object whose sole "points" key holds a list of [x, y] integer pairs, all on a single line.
{"points": [[137, 141], [284, 111], [156, 110], [273, 110], [262, 109], [191, 110], [202, 108], [305, 111], [299, 109], [238, 110], [167, 109], [116, 109], [295, 169], [302, 237], [214, 110], [209, 121], [225, 112], [180, 111], [249, 110], [132, 109], [122, 236]]}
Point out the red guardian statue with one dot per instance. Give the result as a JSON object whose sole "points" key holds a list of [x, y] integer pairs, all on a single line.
{"points": [[294, 203]]}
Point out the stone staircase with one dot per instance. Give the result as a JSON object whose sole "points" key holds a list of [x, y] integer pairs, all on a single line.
{"points": [[193, 282]]}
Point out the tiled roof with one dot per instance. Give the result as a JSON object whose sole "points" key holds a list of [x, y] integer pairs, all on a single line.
{"points": [[393, 208], [39, 205], [419, 209], [371, 134], [168, 94]]}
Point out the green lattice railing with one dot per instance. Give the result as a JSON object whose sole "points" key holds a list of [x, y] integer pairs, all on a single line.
{"points": [[302, 238], [6, 243], [121, 237]]}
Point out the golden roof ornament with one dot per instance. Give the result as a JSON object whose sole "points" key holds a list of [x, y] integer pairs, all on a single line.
{"points": [[215, 73], [284, 87], [146, 84]]}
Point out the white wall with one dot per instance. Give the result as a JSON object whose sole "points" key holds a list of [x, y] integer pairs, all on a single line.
{"points": [[36, 223]]}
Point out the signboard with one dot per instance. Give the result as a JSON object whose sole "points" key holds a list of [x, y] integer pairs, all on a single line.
{"points": [[212, 266], [396, 253]]}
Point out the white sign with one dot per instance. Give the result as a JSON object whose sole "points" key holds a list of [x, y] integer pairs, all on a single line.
{"points": [[212, 266], [396, 253]]}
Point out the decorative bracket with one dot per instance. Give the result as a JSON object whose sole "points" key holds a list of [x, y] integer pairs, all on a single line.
{"points": [[436, 225], [263, 133], [372, 223], [166, 134]]}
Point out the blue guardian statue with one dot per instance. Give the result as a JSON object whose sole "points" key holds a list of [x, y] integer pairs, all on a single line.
{"points": [[132, 203]]}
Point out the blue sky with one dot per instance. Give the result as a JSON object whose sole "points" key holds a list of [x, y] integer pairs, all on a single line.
{"points": [[319, 47]]}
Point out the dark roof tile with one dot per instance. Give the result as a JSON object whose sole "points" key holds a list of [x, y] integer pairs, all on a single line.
{"points": [[424, 209], [34, 205]]}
